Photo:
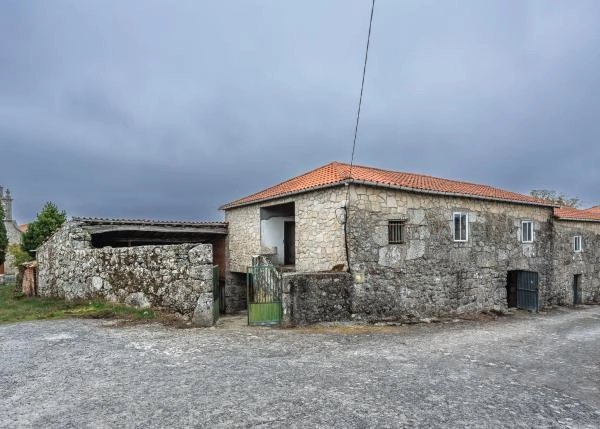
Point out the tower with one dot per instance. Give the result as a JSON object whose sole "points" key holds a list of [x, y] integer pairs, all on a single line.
{"points": [[6, 200]]}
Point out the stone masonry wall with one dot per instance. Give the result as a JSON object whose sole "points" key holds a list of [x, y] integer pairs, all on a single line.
{"points": [[176, 277], [316, 297], [243, 240], [567, 263], [430, 274], [319, 231]]}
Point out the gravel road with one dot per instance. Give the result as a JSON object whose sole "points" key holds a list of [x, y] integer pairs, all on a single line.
{"points": [[519, 371]]}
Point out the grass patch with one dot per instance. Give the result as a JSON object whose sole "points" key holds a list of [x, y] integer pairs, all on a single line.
{"points": [[14, 307]]}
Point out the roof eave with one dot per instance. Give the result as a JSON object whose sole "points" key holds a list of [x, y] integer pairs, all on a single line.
{"points": [[283, 195], [107, 221], [574, 219]]}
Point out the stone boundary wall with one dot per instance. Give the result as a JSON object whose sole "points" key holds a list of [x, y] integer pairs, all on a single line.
{"points": [[316, 297], [175, 277]]}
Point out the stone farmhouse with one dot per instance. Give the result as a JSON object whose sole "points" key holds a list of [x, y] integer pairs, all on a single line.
{"points": [[339, 243], [13, 230], [416, 246]]}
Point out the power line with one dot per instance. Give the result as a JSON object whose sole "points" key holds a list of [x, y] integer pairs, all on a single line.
{"points": [[362, 86]]}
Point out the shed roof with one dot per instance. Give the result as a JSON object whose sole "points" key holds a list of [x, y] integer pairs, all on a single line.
{"points": [[175, 223], [128, 232], [336, 174]]}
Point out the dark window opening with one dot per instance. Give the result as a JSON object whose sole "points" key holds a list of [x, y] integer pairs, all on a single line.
{"points": [[396, 231]]}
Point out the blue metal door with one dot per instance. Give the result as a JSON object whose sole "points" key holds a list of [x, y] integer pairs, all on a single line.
{"points": [[527, 290]]}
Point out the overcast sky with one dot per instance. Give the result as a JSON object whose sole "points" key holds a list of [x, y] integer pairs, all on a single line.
{"points": [[168, 109]]}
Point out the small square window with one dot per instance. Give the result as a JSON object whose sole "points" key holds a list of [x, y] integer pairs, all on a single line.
{"points": [[461, 226], [396, 231], [527, 231], [577, 244]]}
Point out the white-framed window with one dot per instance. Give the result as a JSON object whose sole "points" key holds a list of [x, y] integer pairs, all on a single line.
{"points": [[577, 244], [527, 231], [461, 226], [396, 231]]}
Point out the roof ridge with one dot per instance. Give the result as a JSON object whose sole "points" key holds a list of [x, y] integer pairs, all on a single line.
{"points": [[336, 173], [336, 166], [428, 176]]}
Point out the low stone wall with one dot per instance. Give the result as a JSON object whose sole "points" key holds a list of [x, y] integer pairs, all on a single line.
{"points": [[316, 297], [175, 277]]}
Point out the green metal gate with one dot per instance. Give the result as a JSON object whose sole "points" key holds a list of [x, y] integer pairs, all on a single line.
{"points": [[527, 290], [216, 294], [264, 294]]}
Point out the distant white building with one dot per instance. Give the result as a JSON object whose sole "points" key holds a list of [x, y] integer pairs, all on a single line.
{"points": [[12, 228]]}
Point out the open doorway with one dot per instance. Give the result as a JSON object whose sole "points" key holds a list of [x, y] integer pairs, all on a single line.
{"points": [[278, 233], [577, 289], [511, 289], [289, 243]]}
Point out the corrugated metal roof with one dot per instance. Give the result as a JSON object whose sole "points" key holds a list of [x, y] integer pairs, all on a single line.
{"points": [[108, 221]]}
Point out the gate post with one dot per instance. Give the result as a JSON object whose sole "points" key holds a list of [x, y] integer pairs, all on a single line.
{"points": [[203, 314], [201, 273], [286, 301]]}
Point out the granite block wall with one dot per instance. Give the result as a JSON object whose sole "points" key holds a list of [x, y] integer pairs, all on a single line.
{"points": [[175, 277]]}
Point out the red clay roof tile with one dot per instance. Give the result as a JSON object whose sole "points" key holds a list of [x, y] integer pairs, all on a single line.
{"points": [[571, 213], [337, 173], [595, 209]]}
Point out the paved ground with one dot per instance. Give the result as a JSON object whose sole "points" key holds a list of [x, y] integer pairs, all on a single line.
{"points": [[520, 371]]}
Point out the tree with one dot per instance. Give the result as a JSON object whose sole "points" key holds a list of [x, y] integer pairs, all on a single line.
{"points": [[46, 222], [3, 237], [556, 198], [19, 255]]}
